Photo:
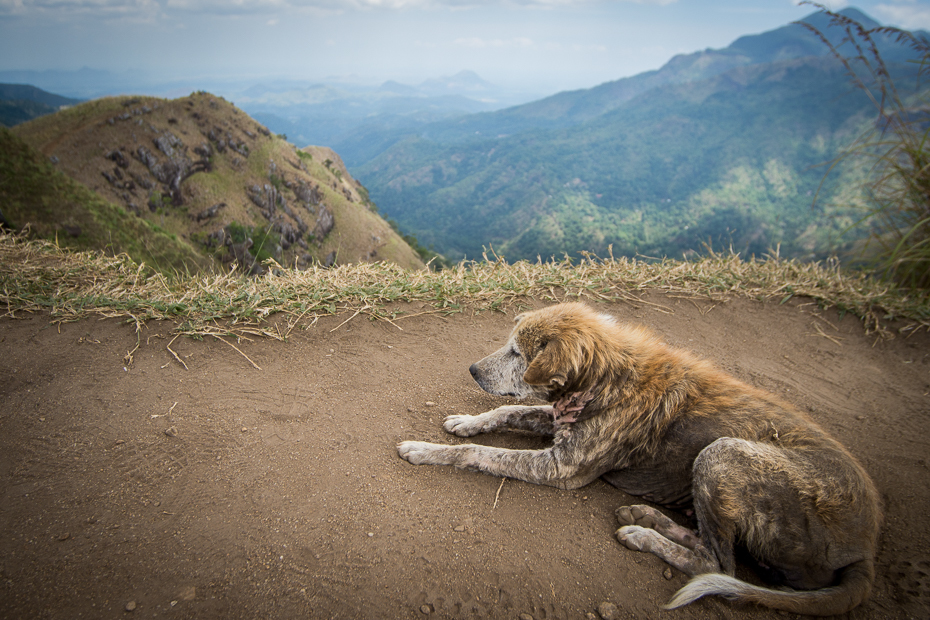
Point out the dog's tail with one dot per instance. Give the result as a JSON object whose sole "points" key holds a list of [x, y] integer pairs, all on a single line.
{"points": [[853, 588]]}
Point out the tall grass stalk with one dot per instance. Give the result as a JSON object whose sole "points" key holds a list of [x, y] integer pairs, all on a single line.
{"points": [[896, 148]]}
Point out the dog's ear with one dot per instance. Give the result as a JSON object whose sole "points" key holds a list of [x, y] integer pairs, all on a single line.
{"points": [[548, 367]]}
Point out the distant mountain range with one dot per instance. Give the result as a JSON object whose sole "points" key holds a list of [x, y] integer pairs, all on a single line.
{"points": [[338, 112], [721, 148], [359, 122], [21, 102], [717, 147]]}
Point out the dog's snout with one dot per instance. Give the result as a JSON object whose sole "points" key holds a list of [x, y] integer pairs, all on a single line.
{"points": [[473, 369]]}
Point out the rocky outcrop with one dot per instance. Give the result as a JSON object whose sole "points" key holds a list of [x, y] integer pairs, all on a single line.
{"points": [[325, 222], [308, 194], [176, 167], [240, 253], [209, 212], [223, 140]]}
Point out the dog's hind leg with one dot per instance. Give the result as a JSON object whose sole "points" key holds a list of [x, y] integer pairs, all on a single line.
{"points": [[649, 517], [537, 420], [689, 561], [771, 498]]}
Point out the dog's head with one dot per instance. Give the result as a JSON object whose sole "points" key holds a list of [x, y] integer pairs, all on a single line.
{"points": [[551, 352]]}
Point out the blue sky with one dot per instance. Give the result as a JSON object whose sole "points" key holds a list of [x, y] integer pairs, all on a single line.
{"points": [[542, 45]]}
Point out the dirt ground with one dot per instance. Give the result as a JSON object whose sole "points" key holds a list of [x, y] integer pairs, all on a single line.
{"points": [[225, 491]]}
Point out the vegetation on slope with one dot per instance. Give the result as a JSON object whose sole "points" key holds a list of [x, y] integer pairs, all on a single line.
{"points": [[730, 161], [717, 148]]}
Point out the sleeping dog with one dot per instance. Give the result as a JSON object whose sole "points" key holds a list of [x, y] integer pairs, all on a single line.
{"points": [[662, 424]]}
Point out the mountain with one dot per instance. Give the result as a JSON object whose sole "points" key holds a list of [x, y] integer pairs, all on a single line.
{"points": [[362, 121], [719, 147], [200, 172], [25, 92], [22, 102], [83, 83]]}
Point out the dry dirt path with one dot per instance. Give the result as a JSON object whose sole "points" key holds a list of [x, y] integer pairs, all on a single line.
{"points": [[224, 491]]}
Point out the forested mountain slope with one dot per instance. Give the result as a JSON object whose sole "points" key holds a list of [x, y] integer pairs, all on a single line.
{"points": [[718, 147]]}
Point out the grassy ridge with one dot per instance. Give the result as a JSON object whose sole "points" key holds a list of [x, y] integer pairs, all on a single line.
{"points": [[39, 276]]}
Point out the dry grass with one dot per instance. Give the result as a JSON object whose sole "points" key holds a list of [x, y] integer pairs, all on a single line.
{"points": [[37, 276]]}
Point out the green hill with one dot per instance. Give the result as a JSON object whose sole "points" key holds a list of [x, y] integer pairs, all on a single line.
{"points": [[202, 172]]}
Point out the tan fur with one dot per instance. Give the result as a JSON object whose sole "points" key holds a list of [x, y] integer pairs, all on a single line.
{"points": [[660, 423]]}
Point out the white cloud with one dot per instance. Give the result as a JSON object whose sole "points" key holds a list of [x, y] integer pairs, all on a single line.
{"points": [[65, 10], [907, 15]]}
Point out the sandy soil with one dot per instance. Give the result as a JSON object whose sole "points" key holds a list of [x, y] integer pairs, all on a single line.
{"points": [[224, 491]]}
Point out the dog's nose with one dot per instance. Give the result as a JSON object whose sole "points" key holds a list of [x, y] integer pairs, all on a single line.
{"points": [[473, 369]]}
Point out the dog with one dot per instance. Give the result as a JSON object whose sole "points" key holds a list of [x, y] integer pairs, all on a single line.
{"points": [[662, 424]]}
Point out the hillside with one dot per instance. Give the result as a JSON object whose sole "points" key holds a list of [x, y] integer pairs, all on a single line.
{"points": [[719, 147], [731, 160], [789, 42], [205, 173], [54, 206]]}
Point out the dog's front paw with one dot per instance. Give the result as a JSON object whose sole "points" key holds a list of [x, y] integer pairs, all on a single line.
{"points": [[417, 452], [634, 537], [462, 425]]}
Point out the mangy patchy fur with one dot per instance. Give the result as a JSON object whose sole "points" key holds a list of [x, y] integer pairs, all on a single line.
{"points": [[662, 424]]}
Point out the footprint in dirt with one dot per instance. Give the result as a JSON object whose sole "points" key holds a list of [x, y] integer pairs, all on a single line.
{"points": [[911, 579]]}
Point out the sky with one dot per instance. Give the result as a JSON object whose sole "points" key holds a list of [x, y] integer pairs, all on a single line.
{"points": [[539, 45]]}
